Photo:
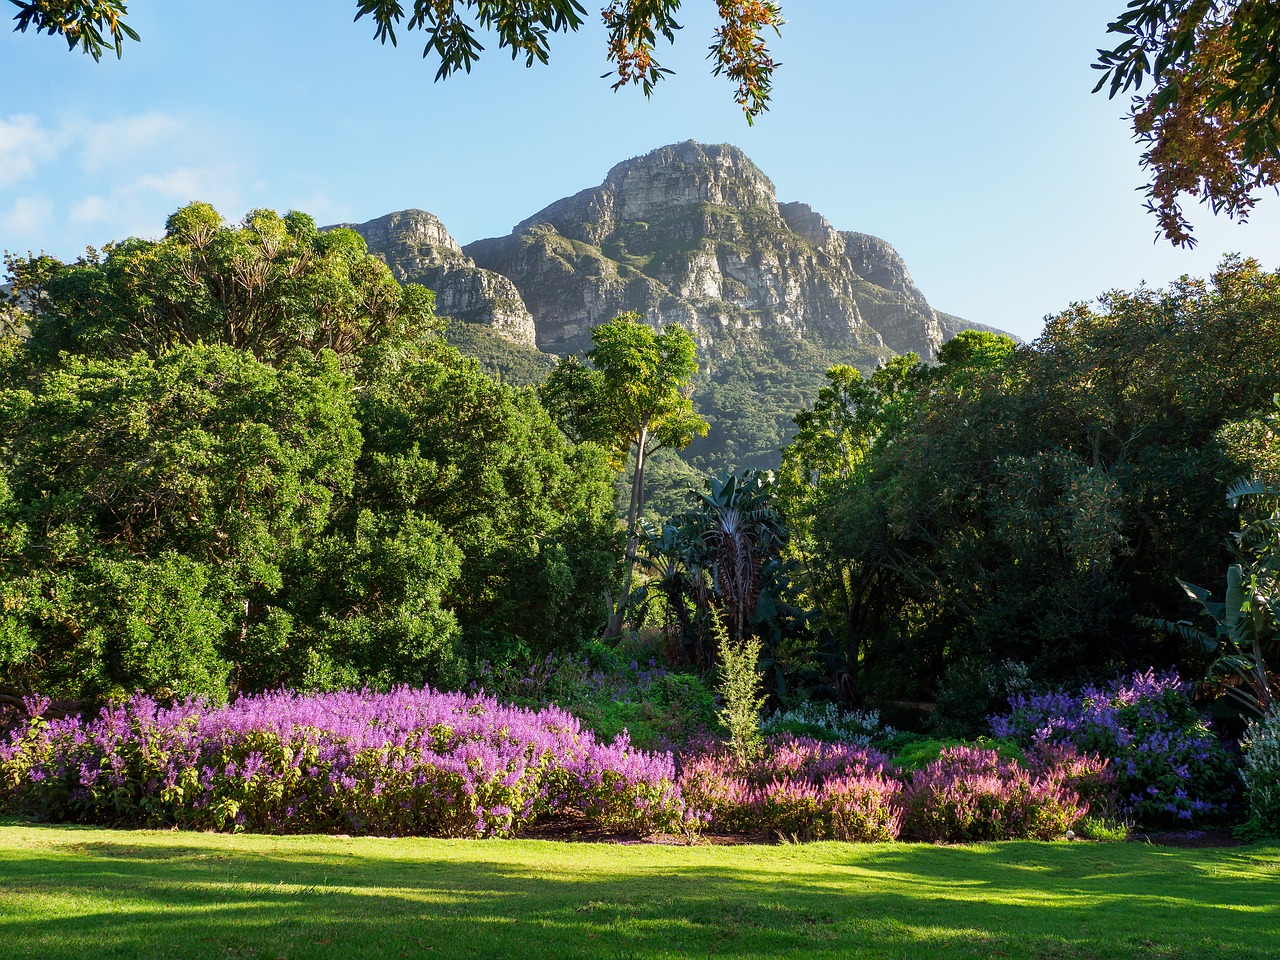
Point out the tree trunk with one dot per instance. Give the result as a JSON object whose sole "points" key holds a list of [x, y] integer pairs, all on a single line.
{"points": [[614, 628]]}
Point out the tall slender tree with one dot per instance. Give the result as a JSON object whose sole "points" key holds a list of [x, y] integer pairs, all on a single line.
{"points": [[635, 399]]}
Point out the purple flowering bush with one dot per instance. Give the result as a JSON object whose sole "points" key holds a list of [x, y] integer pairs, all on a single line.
{"points": [[971, 793], [797, 787], [410, 761], [1168, 765]]}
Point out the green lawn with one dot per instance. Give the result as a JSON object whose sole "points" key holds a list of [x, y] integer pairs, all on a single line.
{"points": [[80, 892]]}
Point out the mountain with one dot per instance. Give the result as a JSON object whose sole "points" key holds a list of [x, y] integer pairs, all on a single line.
{"points": [[694, 235], [690, 234], [418, 249]]}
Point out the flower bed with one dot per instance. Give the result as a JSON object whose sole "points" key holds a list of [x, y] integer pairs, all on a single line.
{"points": [[398, 763], [1168, 765], [812, 790], [799, 788]]}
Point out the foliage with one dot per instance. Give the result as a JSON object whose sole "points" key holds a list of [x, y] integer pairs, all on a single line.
{"points": [[723, 559], [634, 396], [241, 458], [972, 690], [741, 689], [802, 788], [1261, 774], [1209, 124], [151, 509], [827, 722], [969, 794], [1168, 764], [450, 26], [400, 763], [1103, 829], [796, 788], [1025, 504], [268, 286], [659, 709], [1246, 623], [530, 512], [911, 751]]}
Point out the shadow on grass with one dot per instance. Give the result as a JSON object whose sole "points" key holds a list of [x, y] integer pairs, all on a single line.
{"points": [[87, 893]]}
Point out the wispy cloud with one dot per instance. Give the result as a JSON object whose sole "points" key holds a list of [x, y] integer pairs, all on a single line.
{"points": [[138, 207], [24, 144], [111, 143], [24, 217]]}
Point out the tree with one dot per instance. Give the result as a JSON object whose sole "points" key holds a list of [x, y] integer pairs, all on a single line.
{"points": [[268, 286], [634, 26], [148, 508], [634, 399], [1019, 506], [1210, 125], [530, 513]]}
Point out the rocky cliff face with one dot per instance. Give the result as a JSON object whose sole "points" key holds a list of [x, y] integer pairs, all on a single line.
{"points": [[690, 234], [693, 234], [419, 249]]}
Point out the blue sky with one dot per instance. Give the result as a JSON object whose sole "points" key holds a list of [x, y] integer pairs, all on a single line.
{"points": [[964, 134]]}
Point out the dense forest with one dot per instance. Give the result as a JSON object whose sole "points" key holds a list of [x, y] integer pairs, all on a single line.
{"points": [[245, 456]]}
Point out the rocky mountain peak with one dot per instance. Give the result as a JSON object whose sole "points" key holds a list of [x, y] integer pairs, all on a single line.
{"points": [[418, 249], [409, 240], [659, 186], [804, 220]]}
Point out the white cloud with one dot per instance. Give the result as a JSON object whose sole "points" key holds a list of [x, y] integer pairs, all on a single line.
{"points": [[114, 142], [26, 216], [24, 145], [140, 206], [90, 210]]}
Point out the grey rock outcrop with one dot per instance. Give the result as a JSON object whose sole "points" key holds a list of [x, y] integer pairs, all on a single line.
{"points": [[418, 249], [693, 234]]}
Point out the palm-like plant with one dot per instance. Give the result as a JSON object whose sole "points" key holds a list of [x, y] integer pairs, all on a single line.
{"points": [[742, 532], [722, 559], [1245, 631]]}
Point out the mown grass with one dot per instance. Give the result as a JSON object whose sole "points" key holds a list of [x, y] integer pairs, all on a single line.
{"points": [[79, 892]]}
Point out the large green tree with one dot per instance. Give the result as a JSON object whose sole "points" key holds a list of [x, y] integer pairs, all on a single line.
{"points": [[150, 507], [268, 285], [241, 457], [1022, 505], [633, 396]]}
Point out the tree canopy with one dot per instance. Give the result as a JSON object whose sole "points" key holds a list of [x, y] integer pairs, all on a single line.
{"points": [[1013, 508], [738, 48], [241, 457], [634, 399], [1210, 123]]}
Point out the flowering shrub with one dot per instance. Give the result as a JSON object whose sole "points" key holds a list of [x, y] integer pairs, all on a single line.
{"points": [[798, 787], [970, 793], [1261, 746], [828, 722], [1167, 763], [404, 762]]}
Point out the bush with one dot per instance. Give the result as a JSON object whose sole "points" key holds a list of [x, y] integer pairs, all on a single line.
{"points": [[911, 751], [827, 722], [1169, 766], [796, 787], [970, 793], [1261, 746], [399, 763], [972, 690]]}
